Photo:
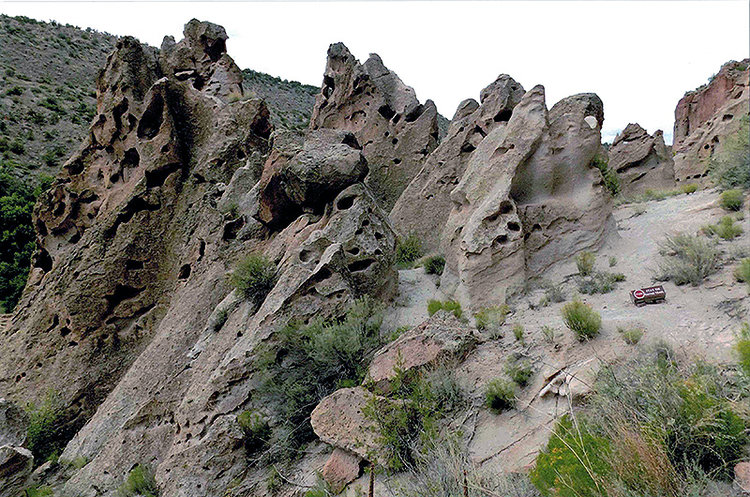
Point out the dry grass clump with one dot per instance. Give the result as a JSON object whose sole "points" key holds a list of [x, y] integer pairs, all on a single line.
{"points": [[582, 319], [687, 259]]}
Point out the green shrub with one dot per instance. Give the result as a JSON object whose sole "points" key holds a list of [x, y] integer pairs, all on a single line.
{"points": [[254, 277], [730, 167], [304, 363], [408, 250], [518, 332], [689, 188], [599, 282], [44, 433], [549, 334], [434, 264], [742, 347], [609, 175], [519, 370], [554, 293], [581, 319], [500, 395], [612, 261], [447, 305], [574, 463], [585, 263], [491, 318], [140, 482], [405, 420], [221, 318], [631, 335], [256, 431], [687, 259], [742, 272], [14, 91], [726, 228], [37, 491], [732, 200], [17, 146]]}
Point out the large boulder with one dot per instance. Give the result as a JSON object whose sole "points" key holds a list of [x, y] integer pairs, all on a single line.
{"points": [[641, 161], [441, 337], [705, 117], [430, 189], [341, 468], [395, 130], [530, 197], [16, 464], [304, 178]]}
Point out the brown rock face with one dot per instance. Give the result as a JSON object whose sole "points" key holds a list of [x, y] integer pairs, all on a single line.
{"points": [[706, 116], [642, 161], [341, 468], [440, 337], [15, 468], [444, 168], [529, 197], [396, 132], [128, 314]]}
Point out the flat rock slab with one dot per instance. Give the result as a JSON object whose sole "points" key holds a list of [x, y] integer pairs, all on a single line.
{"points": [[440, 336], [742, 476], [341, 468]]}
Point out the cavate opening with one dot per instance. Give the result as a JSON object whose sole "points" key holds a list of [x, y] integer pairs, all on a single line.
{"points": [[133, 265], [43, 261], [360, 265], [152, 118], [121, 293], [506, 207], [215, 49], [131, 159], [414, 114], [386, 111], [118, 111], [345, 203], [503, 116], [184, 272], [328, 86], [351, 141], [514, 226]]}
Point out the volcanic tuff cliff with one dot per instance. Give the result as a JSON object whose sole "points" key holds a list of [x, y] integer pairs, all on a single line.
{"points": [[129, 317], [705, 117]]}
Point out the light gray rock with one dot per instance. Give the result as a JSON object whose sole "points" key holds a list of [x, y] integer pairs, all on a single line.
{"points": [[641, 161]]}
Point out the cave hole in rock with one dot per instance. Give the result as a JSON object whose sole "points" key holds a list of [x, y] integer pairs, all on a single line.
{"points": [[59, 209], [353, 251], [396, 118], [43, 261], [351, 141], [506, 207], [366, 222], [397, 161], [503, 116], [502, 239], [133, 265], [132, 121], [305, 255], [467, 147], [215, 49], [118, 111], [184, 272], [360, 265], [198, 82], [120, 294], [328, 86], [379, 235], [386, 111], [394, 141], [478, 130], [727, 117], [131, 158], [415, 113], [513, 226], [64, 331], [345, 203], [152, 118], [72, 343]]}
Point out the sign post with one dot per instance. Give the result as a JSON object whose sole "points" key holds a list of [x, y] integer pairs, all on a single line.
{"points": [[648, 295]]}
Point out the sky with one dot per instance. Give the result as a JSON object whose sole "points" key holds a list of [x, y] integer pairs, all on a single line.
{"points": [[640, 57]]}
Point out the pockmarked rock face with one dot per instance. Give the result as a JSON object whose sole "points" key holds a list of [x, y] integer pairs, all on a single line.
{"points": [[430, 189], [129, 315], [529, 197], [705, 117], [395, 130], [641, 161]]}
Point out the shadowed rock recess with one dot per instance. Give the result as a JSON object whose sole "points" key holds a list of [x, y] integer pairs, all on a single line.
{"points": [[129, 316], [641, 161]]}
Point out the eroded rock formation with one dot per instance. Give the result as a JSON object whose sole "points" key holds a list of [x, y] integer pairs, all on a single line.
{"points": [[641, 161], [128, 315], [706, 116], [395, 130]]}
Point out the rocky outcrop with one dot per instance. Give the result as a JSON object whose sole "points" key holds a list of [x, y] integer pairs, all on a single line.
{"points": [[529, 197], [395, 130], [441, 337], [15, 467], [705, 117], [13, 424], [129, 316], [641, 161], [341, 468], [430, 190]]}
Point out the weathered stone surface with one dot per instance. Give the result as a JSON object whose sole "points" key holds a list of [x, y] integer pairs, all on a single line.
{"points": [[430, 190], [529, 197], [440, 337], [339, 420], [742, 476], [13, 424], [15, 468], [641, 161], [306, 177], [341, 468], [706, 116], [396, 132]]}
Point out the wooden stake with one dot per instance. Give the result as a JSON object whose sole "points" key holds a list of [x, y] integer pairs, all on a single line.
{"points": [[372, 481], [466, 485]]}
